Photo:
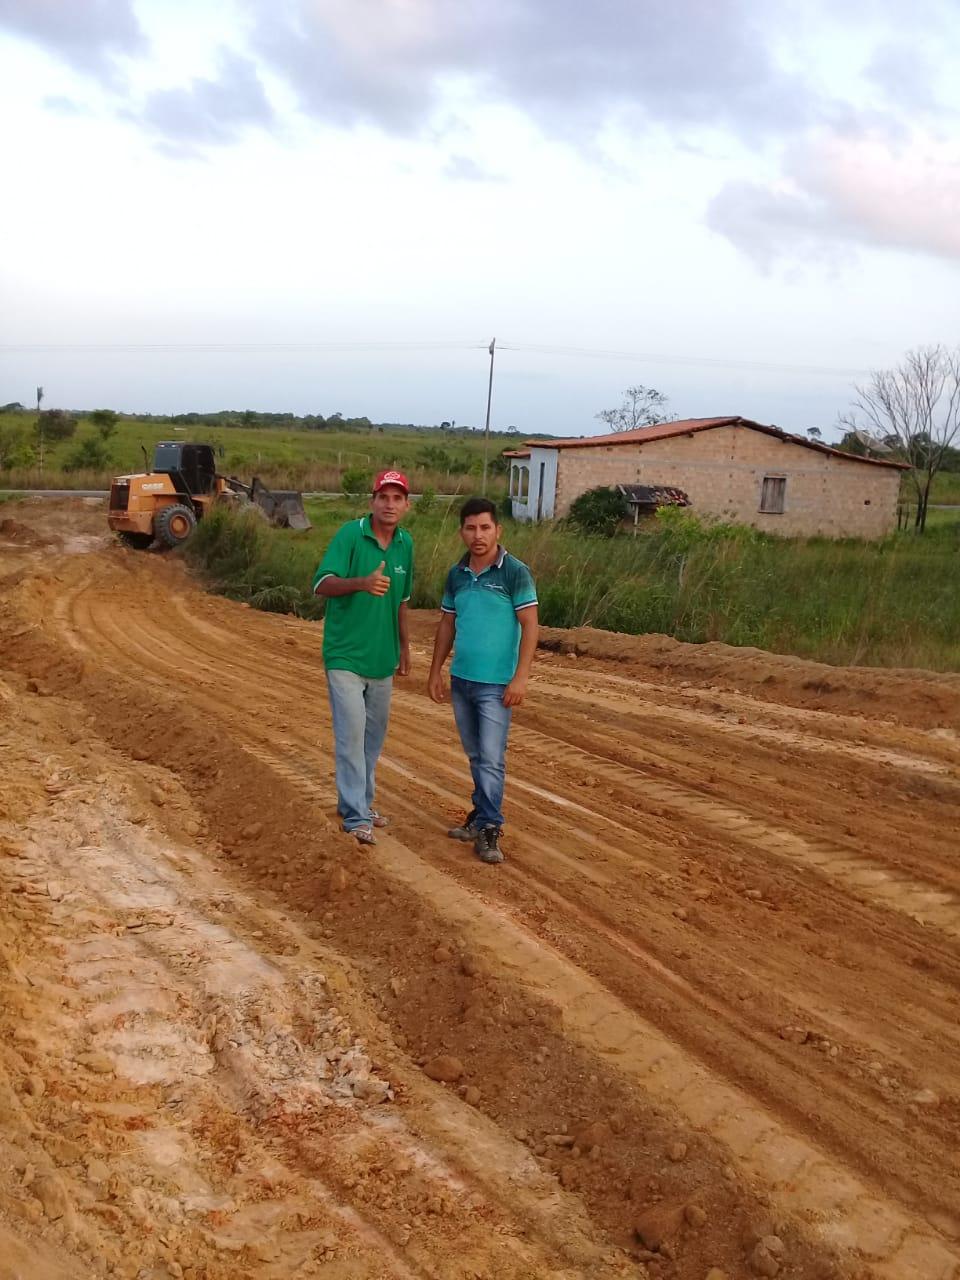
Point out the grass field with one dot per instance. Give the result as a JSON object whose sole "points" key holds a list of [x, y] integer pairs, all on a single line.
{"points": [[313, 461], [893, 603]]}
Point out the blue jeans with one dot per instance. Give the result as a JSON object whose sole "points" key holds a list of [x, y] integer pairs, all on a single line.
{"points": [[483, 723], [360, 710]]}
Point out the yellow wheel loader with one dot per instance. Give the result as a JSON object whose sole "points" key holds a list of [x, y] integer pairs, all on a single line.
{"points": [[164, 505]]}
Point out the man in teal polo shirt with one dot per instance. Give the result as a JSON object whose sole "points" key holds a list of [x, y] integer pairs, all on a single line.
{"points": [[366, 577], [489, 618]]}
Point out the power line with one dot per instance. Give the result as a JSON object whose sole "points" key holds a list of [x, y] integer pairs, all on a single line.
{"points": [[594, 353], [241, 347], [716, 362]]}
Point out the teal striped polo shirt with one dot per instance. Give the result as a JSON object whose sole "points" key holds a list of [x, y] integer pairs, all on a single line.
{"points": [[485, 604]]}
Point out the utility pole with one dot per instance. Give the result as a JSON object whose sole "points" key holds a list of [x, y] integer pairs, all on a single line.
{"points": [[486, 429], [40, 426]]}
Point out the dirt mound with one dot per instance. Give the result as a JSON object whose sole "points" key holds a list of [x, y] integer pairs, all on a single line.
{"points": [[15, 531], [927, 698]]}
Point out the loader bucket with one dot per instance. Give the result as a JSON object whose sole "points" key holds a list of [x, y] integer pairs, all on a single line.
{"points": [[283, 507]]}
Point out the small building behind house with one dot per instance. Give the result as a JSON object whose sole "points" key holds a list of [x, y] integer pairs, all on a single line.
{"points": [[645, 500], [730, 469]]}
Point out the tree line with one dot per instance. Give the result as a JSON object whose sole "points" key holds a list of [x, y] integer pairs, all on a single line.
{"points": [[233, 418]]}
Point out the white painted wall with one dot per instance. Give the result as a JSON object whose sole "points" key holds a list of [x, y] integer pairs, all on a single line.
{"points": [[542, 496]]}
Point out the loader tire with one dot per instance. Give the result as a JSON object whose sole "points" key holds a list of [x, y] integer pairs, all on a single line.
{"points": [[138, 541], [174, 525]]}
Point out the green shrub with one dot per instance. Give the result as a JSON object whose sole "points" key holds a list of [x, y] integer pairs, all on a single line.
{"points": [[434, 457], [229, 543], [91, 454], [426, 503], [56, 424], [105, 420], [246, 559], [600, 511], [682, 530], [16, 446], [354, 480]]}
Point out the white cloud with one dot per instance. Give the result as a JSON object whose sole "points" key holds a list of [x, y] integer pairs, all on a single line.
{"points": [[62, 104], [906, 75], [464, 168], [568, 65], [87, 34], [842, 190], [405, 170], [209, 110]]}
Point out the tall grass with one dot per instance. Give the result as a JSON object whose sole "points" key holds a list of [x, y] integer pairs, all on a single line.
{"points": [[311, 461], [248, 560], [891, 603]]}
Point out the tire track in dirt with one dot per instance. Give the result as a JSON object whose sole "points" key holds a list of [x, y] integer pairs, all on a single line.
{"points": [[731, 821], [839, 1209], [306, 747], [822, 732], [867, 878], [903, 815], [221, 1083], [870, 879], [901, 1261]]}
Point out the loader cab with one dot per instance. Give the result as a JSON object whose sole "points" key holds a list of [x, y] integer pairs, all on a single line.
{"points": [[191, 467]]}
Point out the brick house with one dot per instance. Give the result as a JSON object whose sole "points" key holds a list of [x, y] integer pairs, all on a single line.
{"points": [[730, 468]]}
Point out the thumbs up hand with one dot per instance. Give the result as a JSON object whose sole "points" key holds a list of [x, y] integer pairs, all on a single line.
{"points": [[377, 583]]}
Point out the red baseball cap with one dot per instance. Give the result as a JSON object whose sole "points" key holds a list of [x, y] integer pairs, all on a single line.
{"points": [[391, 477]]}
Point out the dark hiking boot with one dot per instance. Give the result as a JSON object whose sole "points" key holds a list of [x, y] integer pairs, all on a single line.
{"points": [[467, 831], [487, 845]]}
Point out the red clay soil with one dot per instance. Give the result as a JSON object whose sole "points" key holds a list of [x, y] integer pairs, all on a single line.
{"points": [[703, 1022]]}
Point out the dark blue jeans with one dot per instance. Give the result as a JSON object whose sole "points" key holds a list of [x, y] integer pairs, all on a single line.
{"points": [[483, 723]]}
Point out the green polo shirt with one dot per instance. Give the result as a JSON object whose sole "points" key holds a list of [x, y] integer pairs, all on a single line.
{"points": [[487, 641], [360, 631]]}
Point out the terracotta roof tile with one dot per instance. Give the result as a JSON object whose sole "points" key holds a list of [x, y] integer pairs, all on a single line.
{"points": [[687, 426]]}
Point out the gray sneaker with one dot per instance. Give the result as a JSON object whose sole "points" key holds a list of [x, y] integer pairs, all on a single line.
{"points": [[468, 831], [487, 845]]}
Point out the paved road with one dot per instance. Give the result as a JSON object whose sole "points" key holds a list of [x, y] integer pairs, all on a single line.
{"points": [[103, 493], [57, 493]]}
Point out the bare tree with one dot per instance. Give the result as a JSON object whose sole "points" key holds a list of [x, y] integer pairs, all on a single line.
{"points": [[915, 409], [641, 407]]}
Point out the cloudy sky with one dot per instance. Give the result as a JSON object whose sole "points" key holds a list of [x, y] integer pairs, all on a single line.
{"points": [[324, 205]]}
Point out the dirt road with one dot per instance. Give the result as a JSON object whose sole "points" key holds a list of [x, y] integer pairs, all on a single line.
{"points": [[704, 1021]]}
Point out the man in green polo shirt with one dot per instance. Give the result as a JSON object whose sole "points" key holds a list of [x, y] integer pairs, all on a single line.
{"points": [[489, 618], [366, 577]]}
